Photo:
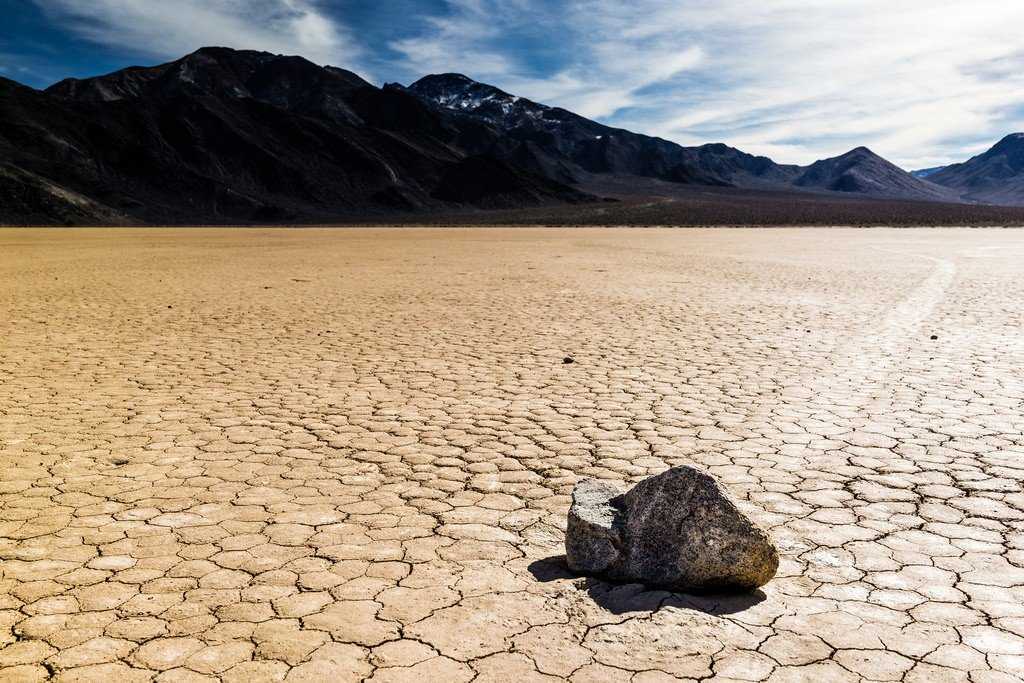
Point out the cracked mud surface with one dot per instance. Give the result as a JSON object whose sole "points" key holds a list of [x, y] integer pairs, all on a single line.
{"points": [[346, 455]]}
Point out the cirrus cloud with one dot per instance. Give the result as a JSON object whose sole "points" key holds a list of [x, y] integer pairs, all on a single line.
{"points": [[923, 82], [170, 29]]}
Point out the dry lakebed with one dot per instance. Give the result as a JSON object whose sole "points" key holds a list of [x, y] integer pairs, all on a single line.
{"points": [[348, 454]]}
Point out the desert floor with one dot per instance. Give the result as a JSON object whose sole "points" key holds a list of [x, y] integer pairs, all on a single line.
{"points": [[347, 454]]}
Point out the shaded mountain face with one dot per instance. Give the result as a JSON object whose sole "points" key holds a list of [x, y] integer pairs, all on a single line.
{"points": [[861, 171], [33, 200], [569, 147], [291, 83], [995, 177], [236, 136], [742, 169]]}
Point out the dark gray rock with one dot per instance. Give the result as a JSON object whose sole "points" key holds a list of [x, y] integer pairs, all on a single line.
{"points": [[678, 530]]}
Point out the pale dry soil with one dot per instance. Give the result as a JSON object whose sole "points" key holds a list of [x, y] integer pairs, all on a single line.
{"points": [[347, 455]]}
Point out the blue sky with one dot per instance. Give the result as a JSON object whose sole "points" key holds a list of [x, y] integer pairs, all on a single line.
{"points": [[922, 82]]}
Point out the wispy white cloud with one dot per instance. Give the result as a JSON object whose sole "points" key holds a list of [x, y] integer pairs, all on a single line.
{"points": [[806, 80], [599, 80], [463, 38], [163, 29], [922, 82]]}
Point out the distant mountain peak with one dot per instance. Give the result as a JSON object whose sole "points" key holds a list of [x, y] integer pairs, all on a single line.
{"points": [[861, 152], [447, 78], [995, 176], [222, 51], [861, 171], [1013, 140], [459, 92], [289, 82]]}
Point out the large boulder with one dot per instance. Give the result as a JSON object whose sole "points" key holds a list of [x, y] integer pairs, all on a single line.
{"points": [[678, 530]]}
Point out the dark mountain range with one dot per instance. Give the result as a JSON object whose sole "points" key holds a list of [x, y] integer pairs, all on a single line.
{"points": [[237, 136], [567, 146], [995, 177], [580, 148], [226, 136]]}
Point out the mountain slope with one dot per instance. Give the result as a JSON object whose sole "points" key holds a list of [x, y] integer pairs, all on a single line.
{"points": [[234, 136], [995, 177], [29, 199], [742, 169], [926, 172], [567, 146], [861, 171]]}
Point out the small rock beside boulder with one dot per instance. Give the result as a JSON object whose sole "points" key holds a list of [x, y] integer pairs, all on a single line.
{"points": [[678, 530]]}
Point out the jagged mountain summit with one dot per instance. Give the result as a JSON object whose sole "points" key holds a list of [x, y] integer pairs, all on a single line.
{"points": [[291, 83], [995, 177], [461, 93]]}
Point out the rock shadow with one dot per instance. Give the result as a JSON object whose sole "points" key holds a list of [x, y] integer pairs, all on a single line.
{"points": [[620, 598]]}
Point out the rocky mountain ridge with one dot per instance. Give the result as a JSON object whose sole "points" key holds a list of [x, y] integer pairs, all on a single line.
{"points": [[578, 146], [236, 136]]}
